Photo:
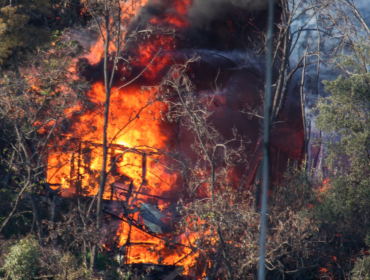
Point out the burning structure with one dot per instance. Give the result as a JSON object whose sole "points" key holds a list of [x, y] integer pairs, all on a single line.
{"points": [[145, 139], [142, 149], [173, 113]]}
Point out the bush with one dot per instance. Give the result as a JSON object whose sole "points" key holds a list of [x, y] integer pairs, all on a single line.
{"points": [[26, 260], [70, 269], [22, 261], [361, 269]]}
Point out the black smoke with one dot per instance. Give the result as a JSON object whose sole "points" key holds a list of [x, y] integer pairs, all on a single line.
{"points": [[203, 12]]}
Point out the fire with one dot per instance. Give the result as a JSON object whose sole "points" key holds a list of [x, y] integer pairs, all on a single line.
{"points": [[130, 9], [176, 19], [131, 129], [136, 136], [323, 189], [151, 249]]}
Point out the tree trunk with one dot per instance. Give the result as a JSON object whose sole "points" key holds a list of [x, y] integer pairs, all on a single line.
{"points": [[103, 176], [92, 257], [37, 218], [14, 207]]}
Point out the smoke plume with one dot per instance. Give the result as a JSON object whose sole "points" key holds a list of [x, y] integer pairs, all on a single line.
{"points": [[204, 11]]}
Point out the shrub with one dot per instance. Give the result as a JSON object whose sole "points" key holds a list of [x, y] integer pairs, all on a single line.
{"points": [[70, 269], [22, 261], [361, 269]]}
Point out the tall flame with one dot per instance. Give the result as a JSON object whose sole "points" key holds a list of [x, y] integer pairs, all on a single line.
{"points": [[135, 134]]}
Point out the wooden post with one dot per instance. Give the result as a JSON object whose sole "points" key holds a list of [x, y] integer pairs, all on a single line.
{"points": [[72, 171], [143, 165], [111, 191], [79, 183]]}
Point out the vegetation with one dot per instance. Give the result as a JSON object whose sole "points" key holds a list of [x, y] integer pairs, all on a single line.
{"points": [[57, 227]]}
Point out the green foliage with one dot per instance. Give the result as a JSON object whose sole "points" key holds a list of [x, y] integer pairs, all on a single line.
{"points": [[23, 260], [344, 118], [344, 115], [67, 267], [295, 191], [17, 28], [10, 25], [26, 260], [102, 261], [361, 271], [344, 203]]}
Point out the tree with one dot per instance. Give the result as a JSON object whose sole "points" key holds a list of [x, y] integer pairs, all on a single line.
{"points": [[22, 27], [22, 260], [108, 19], [222, 224], [343, 116], [33, 112], [308, 223], [289, 59]]}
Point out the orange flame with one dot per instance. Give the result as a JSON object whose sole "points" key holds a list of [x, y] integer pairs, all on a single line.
{"points": [[135, 134]]}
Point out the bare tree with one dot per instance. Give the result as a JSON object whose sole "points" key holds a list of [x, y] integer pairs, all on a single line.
{"points": [[33, 112], [112, 19], [296, 49], [221, 224]]}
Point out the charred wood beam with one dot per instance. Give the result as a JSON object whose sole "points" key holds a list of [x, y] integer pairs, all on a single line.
{"points": [[143, 165], [143, 243], [128, 195], [150, 195], [252, 166], [79, 183], [140, 227], [72, 170], [133, 222], [118, 147]]}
